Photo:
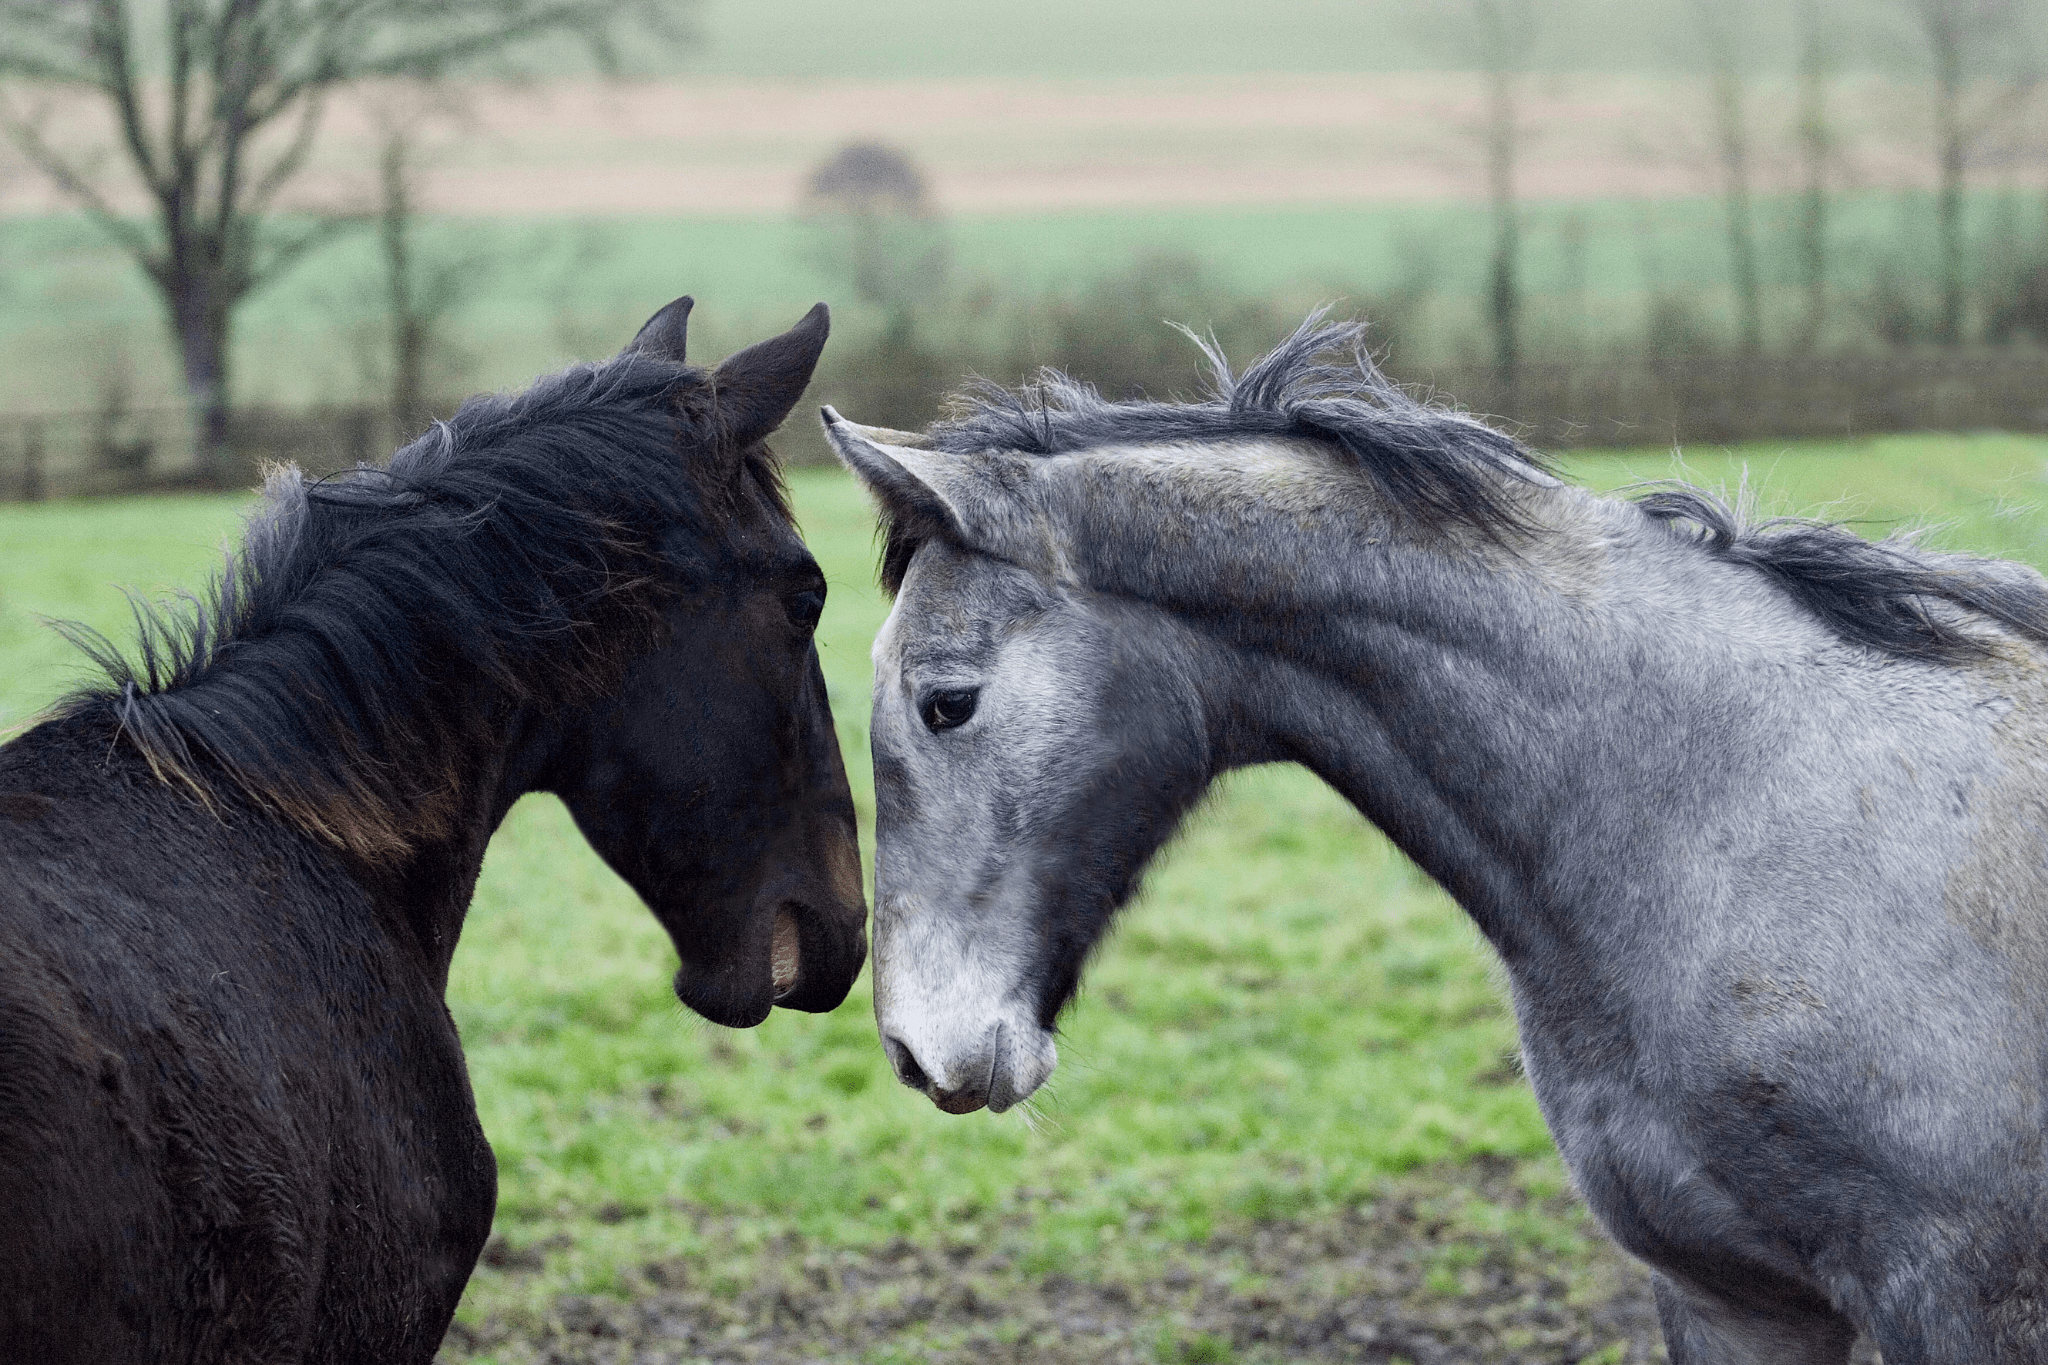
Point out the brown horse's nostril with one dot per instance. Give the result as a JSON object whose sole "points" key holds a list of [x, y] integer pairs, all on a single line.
{"points": [[785, 952], [907, 1069]]}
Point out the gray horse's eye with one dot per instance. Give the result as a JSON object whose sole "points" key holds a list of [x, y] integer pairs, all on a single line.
{"points": [[944, 710]]}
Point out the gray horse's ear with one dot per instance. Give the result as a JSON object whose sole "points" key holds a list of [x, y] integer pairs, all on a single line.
{"points": [[757, 387], [910, 483], [667, 333]]}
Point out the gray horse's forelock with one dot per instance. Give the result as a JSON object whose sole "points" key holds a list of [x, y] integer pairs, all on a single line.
{"points": [[1439, 468]]}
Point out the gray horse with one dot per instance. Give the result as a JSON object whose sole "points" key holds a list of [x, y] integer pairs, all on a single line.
{"points": [[1756, 815]]}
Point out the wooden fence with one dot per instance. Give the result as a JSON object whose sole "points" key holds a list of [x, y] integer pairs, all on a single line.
{"points": [[1555, 406], [150, 450]]}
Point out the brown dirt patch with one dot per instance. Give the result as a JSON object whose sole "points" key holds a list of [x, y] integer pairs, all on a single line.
{"points": [[1405, 1278]]}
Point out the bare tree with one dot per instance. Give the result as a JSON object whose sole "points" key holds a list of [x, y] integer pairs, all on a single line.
{"points": [[1496, 38], [422, 286], [1500, 34], [871, 219], [1815, 138], [1980, 43], [1721, 26], [216, 104]]}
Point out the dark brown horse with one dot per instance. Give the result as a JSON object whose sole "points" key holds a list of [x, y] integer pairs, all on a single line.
{"points": [[235, 1123]]}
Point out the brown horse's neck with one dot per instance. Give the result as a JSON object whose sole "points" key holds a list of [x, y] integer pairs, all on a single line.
{"points": [[426, 890]]}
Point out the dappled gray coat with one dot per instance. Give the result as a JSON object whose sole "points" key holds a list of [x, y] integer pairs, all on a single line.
{"points": [[1756, 815]]}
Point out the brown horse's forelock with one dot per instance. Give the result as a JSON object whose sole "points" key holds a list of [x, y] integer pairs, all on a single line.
{"points": [[374, 624]]}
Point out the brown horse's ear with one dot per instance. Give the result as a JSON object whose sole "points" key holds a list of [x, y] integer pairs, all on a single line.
{"points": [[667, 333], [757, 387]]}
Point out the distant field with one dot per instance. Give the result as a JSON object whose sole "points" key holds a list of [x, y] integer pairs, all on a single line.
{"points": [[714, 146], [1327, 150], [1130, 37], [1290, 1019], [1063, 38], [77, 323]]}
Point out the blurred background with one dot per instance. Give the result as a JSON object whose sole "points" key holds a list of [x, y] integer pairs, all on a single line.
{"points": [[1613, 223], [1806, 240]]}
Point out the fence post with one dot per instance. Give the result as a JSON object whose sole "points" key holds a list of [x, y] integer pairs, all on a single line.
{"points": [[32, 462]]}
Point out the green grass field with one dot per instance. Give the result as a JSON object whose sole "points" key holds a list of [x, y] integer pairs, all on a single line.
{"points": [[1291, 1018]]}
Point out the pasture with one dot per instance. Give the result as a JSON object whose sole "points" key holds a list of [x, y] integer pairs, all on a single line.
{"points": [[1288, 1120]]}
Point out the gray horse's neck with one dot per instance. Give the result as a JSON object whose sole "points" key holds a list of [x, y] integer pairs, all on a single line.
{"points": [[1562, 735]]}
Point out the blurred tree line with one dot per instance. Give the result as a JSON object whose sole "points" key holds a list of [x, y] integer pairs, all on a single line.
{"points": [[1770, 72], [1978, 60], [214, 106]]}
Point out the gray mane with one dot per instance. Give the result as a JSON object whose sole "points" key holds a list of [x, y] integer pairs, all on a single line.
{"points": [[1438, 467], [1429, 462]]}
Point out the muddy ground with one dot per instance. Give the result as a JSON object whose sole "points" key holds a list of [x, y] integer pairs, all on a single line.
{"points": [[1404, 1278], [1407, 1278]]}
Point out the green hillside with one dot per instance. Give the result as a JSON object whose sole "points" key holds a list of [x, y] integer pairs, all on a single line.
{"points": [[1215, 37]]}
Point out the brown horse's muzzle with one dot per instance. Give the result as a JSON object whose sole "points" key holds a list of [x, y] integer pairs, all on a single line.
{"points": [[800, 943]]}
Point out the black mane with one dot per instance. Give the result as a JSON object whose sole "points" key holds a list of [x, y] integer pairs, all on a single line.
{"points": [[370, 619], [1879, 594], [1439, 467]]}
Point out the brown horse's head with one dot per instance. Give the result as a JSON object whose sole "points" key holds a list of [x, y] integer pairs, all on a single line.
{"points": [[592, 588], [711, 780]]}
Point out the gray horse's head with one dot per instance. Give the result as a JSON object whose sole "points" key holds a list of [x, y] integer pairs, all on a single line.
{"points": [[1087, 598], [1016, 714]]}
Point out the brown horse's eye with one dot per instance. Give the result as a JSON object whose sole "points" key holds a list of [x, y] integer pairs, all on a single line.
{"points": [[805, 608], [944, 710]]}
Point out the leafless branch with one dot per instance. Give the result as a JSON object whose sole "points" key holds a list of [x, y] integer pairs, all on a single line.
{"points": [[25, 132], [193, 113]]}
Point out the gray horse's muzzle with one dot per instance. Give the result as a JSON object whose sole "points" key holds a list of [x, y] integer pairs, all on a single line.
{"points": [[991, 1072]]}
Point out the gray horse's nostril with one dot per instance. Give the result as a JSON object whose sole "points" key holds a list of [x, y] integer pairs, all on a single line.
{"points": [[907, 1069]]}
